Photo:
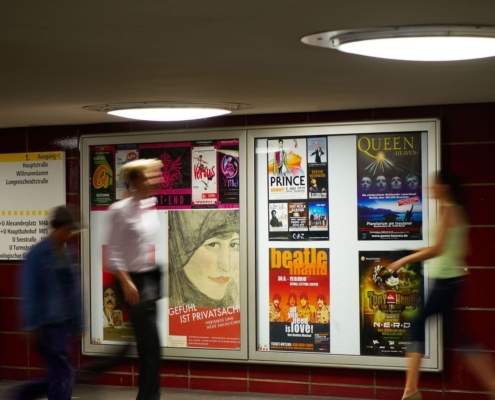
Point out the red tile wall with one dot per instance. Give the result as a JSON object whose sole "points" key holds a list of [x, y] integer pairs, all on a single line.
{"points": [[468, 143]]}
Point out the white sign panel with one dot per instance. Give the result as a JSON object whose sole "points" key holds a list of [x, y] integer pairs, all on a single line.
{"points": [[30, 185]]}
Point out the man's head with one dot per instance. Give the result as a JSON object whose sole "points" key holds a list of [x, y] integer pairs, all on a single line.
{"points": [[142, 176], [381, 183], [396, 183], [109, 299], [62, 223], [412, 182], [365, 183]]}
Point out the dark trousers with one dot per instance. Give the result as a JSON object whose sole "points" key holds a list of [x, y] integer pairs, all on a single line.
{"points": [[53, 341], [143, 320], [441, 301]]}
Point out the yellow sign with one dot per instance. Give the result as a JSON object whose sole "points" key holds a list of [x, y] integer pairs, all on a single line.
{"points": [[36, 156]]}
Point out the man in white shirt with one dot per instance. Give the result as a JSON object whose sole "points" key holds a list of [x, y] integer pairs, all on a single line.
{"points": [[133, 226]]}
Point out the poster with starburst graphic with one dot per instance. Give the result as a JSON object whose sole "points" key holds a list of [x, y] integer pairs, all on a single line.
{"points": [[389, 190], [389, 302]]}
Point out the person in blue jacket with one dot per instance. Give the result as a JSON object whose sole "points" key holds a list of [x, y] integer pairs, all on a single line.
{"points": [[50, 307]]}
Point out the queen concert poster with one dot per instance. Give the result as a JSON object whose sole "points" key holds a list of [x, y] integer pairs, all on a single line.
{"points": [[388, 302], [389, 186], [299, 299], [175, 189]]}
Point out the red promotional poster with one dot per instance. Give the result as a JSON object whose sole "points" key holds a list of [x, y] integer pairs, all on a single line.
{"points": [[116, 324], [175, 190], [204, 177], [299, 300], [204, 309]]}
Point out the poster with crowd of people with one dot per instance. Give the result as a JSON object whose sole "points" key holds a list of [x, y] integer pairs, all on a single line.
{"points": [[198, 204], [298, 189], [389, 302], [389, 186], [299, 309]]}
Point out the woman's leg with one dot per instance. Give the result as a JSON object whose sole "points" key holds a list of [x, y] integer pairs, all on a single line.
{"points": [[439, 302], [412, 374]]}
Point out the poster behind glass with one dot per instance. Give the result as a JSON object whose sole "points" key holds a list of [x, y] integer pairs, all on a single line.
{"points": [[389, 302], [389, 186], [297, 179], [198, 206], [299, 299]]}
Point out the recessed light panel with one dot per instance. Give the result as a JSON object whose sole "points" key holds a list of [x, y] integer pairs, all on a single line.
{"points": [[168, 113], [423, 43]]}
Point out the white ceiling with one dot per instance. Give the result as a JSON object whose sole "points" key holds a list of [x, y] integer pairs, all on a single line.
{"points": [[58, 56]]}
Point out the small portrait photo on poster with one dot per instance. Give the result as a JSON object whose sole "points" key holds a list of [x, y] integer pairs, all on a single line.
{"points": [[317, 150]]}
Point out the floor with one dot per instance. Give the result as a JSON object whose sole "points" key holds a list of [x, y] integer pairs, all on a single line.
{"points": [[89, 392]]}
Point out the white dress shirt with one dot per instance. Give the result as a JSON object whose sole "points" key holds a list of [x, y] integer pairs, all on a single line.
{"points": [[132, 232]]}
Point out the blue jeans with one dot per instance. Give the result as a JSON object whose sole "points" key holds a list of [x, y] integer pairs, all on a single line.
{"points": [[53, 341]]}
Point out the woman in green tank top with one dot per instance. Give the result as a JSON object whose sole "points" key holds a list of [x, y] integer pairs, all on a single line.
{"points": [[447, 269]]}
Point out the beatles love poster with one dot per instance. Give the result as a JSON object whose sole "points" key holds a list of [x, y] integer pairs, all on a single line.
{"points": [[299, 299]]}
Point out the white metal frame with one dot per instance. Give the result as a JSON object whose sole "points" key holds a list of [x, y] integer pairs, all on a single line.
{"points": [[247, 138], [162, 137], [434, 359]]}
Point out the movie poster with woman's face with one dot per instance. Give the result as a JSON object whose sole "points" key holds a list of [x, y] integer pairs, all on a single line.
{"points": [[204, 303], [389, 186], [389, 302]]}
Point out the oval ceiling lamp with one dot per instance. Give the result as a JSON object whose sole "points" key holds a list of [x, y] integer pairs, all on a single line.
{"points": [[411, 43], [165, 111]]}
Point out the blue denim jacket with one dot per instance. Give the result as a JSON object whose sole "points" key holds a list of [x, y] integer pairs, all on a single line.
{"points": [[49, 287]]}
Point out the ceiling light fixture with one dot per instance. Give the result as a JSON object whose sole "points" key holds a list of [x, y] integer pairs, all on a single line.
{"points": [[411, 43], [165, 111]]}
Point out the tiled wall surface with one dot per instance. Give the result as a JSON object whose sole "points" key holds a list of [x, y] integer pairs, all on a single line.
{"points": [[468, 145]]}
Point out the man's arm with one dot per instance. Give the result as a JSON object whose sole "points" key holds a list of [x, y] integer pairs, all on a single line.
{"points": [[116, 261], [30, 281]]}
